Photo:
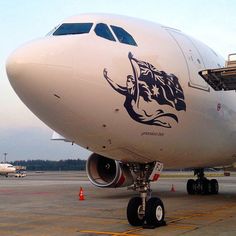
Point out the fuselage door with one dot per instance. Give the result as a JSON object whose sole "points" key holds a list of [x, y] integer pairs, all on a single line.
{"points": [[193, 59]]}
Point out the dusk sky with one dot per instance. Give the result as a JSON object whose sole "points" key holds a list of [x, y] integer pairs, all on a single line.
{"points": [[22, 135]]}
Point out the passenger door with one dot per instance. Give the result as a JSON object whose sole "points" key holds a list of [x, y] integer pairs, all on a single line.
{"points": [[193, 59]]}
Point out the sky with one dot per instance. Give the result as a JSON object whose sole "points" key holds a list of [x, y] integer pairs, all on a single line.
{"points": [[22, 135]]}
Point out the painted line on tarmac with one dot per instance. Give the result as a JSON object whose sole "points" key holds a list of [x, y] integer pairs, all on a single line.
{"points": [[133, 230], [108, 233], [202, 215], [185, 227], [175, 222]]}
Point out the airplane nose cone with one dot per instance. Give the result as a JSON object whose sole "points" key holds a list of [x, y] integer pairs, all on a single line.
{"points": [[37, 71], [27, 72], [37, 65], [14, 65], [21, 60]]}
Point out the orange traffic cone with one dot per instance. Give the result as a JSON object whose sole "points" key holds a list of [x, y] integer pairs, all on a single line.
{"points": [[172, 188], [81, 194]]}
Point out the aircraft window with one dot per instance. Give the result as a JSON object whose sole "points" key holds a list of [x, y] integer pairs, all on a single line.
{"points": [[103, 31], [73, 28], [53, 30], [123, 36]]}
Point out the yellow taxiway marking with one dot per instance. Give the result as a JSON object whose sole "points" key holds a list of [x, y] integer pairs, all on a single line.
{"points": [[175, 222], [133, 230], [110, 233], [187, 227]]}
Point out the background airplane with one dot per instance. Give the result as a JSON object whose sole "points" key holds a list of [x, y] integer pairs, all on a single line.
{"points": [[6, 168], [130, 91]]}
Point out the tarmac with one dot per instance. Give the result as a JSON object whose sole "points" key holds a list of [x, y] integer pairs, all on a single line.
{"points": [[47, 204]]}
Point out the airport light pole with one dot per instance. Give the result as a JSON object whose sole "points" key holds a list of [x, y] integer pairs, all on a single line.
{"points": [[5, 157]]}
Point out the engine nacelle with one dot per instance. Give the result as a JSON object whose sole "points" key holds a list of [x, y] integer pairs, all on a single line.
{"points": [[107, 173]]}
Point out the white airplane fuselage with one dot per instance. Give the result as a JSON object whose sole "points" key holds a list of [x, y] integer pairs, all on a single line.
{"points": [[64, 80], [6, 168]]}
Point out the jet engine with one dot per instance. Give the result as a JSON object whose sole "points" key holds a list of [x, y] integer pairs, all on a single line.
{"points": [[107, 173]]}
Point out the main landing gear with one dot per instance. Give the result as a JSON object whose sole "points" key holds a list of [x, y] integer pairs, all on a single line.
{"points": [[145, 210], [202, 185]]}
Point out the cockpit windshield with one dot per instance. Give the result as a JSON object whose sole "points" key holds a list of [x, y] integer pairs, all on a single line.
{"points": [[108, 32], [103, 31], [123, 36], [73, 28]]}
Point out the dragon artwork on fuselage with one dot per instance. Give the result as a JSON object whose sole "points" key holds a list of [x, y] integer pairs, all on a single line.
{"points": [[146, 86]]}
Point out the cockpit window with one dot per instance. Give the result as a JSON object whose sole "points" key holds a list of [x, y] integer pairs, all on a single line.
{"points": [[73, 28], [123, 36], [103, 31]]}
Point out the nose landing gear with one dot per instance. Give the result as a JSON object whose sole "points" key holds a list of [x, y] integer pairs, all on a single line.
{"points": [[145, 210], [202, 185]]}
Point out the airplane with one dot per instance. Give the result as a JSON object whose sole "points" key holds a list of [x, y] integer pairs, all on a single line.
{"points": [[6, 168], [139, 95]]}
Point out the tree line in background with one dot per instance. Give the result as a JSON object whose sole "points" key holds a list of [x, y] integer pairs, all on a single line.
{"points": [[70, 164], [46, 165]]}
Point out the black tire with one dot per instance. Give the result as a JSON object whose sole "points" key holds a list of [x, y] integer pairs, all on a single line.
{"points": [[209, 189], [198, 184], [191, 187], [205, 187], [133, 216], [155, 212], [214, 186]]}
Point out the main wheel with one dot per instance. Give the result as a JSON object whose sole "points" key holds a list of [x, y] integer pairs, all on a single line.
{"points": [[191, 186], [205, 187], [214, 186], [135, 214], [155, 212]]}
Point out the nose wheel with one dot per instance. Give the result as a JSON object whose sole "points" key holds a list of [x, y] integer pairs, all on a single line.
{"points": [[155, 212], [152, 217], [135, 212], [145, 210]]}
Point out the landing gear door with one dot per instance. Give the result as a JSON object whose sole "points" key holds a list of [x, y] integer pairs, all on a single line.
{"points": [[156, 171], [193, 59]]}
